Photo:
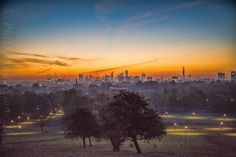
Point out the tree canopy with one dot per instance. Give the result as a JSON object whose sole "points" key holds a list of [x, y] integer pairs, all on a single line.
{"points": [[128, 116]]}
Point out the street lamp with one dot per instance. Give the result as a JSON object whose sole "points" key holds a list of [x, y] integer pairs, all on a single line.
{"points": [[175, 125], [186, 128], [221, 125], [19, 127]]}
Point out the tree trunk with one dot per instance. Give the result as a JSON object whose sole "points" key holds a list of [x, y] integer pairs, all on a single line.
{"points": [[84, 142], [90, 142], [116, 146], [137, 146]]}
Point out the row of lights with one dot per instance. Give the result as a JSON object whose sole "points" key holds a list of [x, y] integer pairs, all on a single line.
{"points": [[186, 127]]}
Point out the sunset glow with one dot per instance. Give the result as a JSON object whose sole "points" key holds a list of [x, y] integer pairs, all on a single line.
{"points": [[157, 38]]}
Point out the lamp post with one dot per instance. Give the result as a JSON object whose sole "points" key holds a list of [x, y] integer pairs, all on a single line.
{"points": [[221, 125], [19, 127], [186, 128], [175, 125]]}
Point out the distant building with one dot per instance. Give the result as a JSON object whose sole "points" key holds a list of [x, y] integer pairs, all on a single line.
{"points": [[143, 77], [81, 77], [120, 77], [221, 76], [174, 78], [89, 78], [183, 73], [233, 75], [112, 76], [126, 73], [107, 78], [135, 78], [149, 78]]}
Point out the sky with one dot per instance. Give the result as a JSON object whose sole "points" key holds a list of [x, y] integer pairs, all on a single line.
{"points": [[96, 37]]}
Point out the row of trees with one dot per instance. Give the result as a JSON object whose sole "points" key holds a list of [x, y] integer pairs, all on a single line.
{"points": [[127, 116], [16, 106], [214, 99]]}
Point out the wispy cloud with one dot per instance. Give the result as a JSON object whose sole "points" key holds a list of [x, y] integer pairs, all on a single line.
{"points": [[105, 8], [26, 54], [79, 59], [44, 63], [44, 71], [37, 61], [185, 5], [121, 67]]}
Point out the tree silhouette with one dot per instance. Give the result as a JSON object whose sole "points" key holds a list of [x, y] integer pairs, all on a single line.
{"points": [[128, 116], [81, 123]]}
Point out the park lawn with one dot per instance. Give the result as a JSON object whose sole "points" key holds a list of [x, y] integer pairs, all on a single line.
{"points": [[203, 138]]}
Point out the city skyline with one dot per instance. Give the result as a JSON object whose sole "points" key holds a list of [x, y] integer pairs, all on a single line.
{"points": [[155, 37]]}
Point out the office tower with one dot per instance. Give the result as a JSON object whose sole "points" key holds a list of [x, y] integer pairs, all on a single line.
{"points": [[233, 75], [221, 76], [183, 74]]}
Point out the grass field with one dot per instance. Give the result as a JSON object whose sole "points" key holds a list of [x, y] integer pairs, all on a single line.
{"points": [[203, 137]]}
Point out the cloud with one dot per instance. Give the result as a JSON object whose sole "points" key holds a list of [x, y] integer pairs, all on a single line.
{"points": [[27, 54], [37, 61], [78, 59], [105, 8], [44, 71], [185, 5], [121, 67], [12, 66]]}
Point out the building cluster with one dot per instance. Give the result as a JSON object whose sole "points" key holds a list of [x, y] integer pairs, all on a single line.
{"points": [[121, 81], [122, 77], [222, 77]]}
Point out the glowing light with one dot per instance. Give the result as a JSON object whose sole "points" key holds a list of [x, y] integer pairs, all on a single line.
{"points": [[185, 127], [19, 127], [12, 121], [50, 113], [219, 129], [28, 118], [224, 115], [166, 112], [22, 133], [19, 117], [175, 124], [193, 113]]}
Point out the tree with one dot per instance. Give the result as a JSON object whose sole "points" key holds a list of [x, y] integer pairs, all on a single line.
{"points": [[128, 116], [81, 124], [4, 106], [73, 100]]}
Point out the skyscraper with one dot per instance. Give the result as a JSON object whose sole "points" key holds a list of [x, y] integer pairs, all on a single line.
{"points": [[233, 75], [143, 77], [221, 76], [126, 73], [112, 76], [183, 74]]}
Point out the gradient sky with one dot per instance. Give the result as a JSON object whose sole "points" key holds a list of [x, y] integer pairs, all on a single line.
{"points": [[151, 36]]}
